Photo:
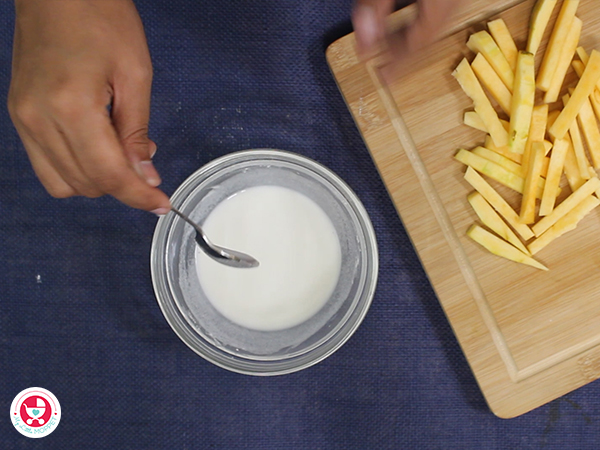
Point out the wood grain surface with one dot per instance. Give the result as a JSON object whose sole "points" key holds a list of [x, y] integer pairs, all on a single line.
{"points": [[529, 336]]}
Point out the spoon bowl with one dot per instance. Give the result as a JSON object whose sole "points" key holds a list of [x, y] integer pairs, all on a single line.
{"points": [[220, 254]]}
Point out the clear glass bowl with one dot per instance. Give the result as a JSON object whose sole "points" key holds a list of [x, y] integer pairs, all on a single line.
{"points": [[221, 341]]}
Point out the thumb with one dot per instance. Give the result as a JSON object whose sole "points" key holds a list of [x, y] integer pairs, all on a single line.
{"points": [[130, 115]]}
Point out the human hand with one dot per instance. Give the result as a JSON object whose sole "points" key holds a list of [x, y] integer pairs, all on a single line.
{"points": [[369, 16], [71, 59]]}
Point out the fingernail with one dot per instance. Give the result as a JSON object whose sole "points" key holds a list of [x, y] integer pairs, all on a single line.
{"points": [[160, 211], [153, 149], [149, 173], [367, 31]]}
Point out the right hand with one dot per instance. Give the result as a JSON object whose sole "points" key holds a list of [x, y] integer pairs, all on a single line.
{"points": [[369, 16], [71, 59]]}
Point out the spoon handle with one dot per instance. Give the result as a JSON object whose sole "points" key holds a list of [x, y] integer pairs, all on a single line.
{"points": [[188, 220]]}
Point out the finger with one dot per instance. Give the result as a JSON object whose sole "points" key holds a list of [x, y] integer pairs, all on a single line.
{"points": [[368, 19], [147, 171], [44, 169], [47, 147], [433, 16], [103, 160], [130, 115], [146, 168], [430, 23], [65, 160], [58, 153]]}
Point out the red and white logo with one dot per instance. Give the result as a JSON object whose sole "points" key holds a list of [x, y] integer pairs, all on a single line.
{"points": [[35, 412]]}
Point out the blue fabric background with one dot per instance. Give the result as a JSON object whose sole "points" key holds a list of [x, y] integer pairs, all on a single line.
{"points": [[78, 315]]}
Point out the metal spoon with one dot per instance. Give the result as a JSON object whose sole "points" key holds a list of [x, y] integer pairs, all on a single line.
{"points": [[223, 255]]}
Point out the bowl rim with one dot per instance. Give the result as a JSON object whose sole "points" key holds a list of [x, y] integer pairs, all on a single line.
{"points": [[243, 365]]}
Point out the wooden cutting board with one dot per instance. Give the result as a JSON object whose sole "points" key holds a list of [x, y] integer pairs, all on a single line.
{"points": [[529, 336]]}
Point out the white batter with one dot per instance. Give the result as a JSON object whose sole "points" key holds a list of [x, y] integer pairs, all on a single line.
{"points": [[298, 250]]}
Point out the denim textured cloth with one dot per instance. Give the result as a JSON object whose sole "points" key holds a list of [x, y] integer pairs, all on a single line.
{"points": [[78, 314]]}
